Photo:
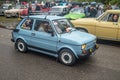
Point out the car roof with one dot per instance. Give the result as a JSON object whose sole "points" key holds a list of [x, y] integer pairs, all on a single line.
{"points": [[59, 6], [113, 11], [50, 17]]}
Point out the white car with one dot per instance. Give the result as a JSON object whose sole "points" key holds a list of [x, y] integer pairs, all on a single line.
{"points": [[59, 10], [4, 7], [14, 11]]}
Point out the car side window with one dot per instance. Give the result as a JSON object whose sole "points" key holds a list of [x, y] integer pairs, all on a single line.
{"points": [[115, 17], [111, 18], [42, 26], [27, 24], [105, 18]]}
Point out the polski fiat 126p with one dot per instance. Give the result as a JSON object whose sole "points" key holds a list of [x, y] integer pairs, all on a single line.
{"points": [[55, 36]]}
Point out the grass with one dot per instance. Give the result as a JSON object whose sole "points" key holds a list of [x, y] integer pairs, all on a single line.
{"points": [[4, 19], [8, 23]]}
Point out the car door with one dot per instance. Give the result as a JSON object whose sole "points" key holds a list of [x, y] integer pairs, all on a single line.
{"points": [[26, 30], [106, 28], [44, 39], [119, 32]]}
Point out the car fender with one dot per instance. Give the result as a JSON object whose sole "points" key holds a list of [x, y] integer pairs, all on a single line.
{"points": [[67, 47], [82, 29], [20, 37]]}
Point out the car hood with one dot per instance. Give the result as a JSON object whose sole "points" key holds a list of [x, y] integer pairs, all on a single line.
{"points": [[77, 37], [84, 21], [12, 10]]}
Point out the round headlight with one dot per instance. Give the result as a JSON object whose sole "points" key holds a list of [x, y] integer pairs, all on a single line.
{"points": [[83, 46]]}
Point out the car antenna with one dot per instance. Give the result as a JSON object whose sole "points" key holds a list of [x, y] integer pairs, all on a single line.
{"points": [[29, 10]]}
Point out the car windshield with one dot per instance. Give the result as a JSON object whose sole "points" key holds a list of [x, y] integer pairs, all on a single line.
{"points": [[100, 16], [17, 7], [62, 24], [14, 7], [5, 6], [77, 10], [56, 9]]}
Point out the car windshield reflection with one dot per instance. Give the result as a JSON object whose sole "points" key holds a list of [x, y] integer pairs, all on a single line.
{"points": [[63, 26]]}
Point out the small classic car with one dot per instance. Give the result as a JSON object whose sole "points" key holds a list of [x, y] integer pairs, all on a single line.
{"points": [[75, 13], [59, 10], [4, 7], [55, 36], [36, 9], [106, 26], [14, 11]]}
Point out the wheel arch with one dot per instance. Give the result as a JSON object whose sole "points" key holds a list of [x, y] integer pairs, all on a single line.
{"points": [[21, 39], [74, 53], [81, 28]]}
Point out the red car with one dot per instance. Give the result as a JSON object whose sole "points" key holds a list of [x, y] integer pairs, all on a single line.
{"points": [[39, 9]]}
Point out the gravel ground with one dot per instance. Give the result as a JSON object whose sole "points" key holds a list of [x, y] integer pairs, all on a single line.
{"points": [[8, 23]]}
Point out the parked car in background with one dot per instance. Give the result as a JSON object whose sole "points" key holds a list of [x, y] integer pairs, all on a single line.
{"points": [[36, 9], [55, 36], [75, 13], [14, 11], [59, 10], [4, 7], [104, 27]]}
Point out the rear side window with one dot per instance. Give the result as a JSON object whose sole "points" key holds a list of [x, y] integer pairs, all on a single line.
{"points": [[42, 26], [27, 24], [111, 18]]}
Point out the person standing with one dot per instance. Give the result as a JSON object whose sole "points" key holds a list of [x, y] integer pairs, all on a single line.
{"points": [[29, 9], [99, 11], [93, 11]]}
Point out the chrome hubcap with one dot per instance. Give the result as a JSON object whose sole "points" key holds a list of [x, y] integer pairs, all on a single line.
{"points": [[21, 46], [66, 57]]}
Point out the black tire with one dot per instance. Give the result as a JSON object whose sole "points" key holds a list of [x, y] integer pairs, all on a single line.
{"points": [[67, 57], [82, 29], [21, 46]]}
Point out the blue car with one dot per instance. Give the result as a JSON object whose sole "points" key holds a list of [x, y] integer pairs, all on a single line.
{"points": [[55, 36]]}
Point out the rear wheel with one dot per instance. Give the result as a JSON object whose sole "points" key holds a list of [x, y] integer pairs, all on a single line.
{"points": [[67, 57], [21, 46]]}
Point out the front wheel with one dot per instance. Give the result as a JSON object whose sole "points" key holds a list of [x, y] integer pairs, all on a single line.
{"points": [[67, 57], [21, 46]]}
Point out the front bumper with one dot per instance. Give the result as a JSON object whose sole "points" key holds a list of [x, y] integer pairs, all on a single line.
{"points": [[90, 51], [10, 14]]}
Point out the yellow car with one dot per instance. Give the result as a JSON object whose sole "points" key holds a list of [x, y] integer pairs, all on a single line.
{"points": [[106, 26]]}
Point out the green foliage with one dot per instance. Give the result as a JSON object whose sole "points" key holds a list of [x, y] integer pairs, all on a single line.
{"points": [[115, 1]]}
